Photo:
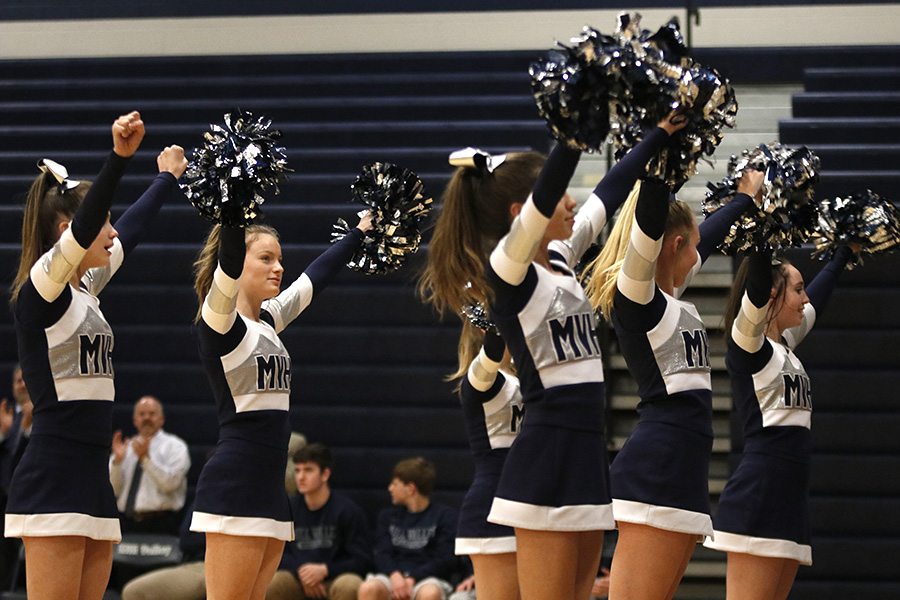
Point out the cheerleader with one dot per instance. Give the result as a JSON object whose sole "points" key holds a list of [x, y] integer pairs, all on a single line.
{"points": [[659, 479], [554, 489], [61, 502], [492, 409], [241, 504], [762, 520]]}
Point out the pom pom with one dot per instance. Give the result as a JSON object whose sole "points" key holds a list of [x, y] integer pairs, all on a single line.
{"points": [[478, 315], [237, 163], [664, 78], [862, 218], [395, 197], [787, 215], [572, 87]]}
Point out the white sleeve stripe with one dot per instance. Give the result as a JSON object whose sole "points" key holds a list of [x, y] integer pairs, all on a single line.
{"points": [[595, 210], [646, 246], [71, 249], [751, 312], [51, 273], [636, 291], [218, 322], [228, 286], [636, 266], [533, 222], [748, 343], [483, 372], [507, 269]]}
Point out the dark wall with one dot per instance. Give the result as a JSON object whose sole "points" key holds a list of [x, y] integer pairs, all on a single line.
{"points": [[106, 9]]}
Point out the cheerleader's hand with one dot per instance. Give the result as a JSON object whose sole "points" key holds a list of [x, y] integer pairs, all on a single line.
{"points": [[127, 132], [365, 223], [675, 121], [172, 160], [750, 183]]}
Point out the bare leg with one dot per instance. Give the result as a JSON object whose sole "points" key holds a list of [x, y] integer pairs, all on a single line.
{"points": [[233, 565], [552, 564], [53, 567], [786, 581], [759, 577], [688, 552], [495, 576], [590, 549], [271, 559], [98, 556], [648, 562]]}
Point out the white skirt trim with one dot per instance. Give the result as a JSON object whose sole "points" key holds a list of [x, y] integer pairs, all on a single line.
{"points": [[242, 526], [578, 517], [757, 546], [496, 545], [663, 517], [57, 524]]}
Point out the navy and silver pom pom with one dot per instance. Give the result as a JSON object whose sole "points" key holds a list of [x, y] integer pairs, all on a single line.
{"points": [[865, 219], [572, 87], [395, 197], [786, 215], [665, 78], [226, 178]]}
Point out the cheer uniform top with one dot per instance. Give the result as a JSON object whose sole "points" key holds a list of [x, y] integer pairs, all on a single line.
{"points": [[660, 477], [492, 409], [241, 488], [61, 485], [550, 328], [764, 508]]}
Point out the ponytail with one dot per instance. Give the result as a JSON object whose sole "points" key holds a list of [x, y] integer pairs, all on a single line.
{"points": [[46, 205], [603, 271], [474, 217]]}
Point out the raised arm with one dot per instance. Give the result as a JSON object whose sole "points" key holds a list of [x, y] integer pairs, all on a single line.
{"points": [[611, 193], [483, 371], [513, 255], [135, 221], [164, 188], [219, 310], [636, 280], [52, 272], [714, 229], [286, 306], [749, 328], [819, 291]]}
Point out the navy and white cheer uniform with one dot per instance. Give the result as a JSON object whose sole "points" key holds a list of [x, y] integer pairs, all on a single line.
{"points": [[493, 410], [241, 488], [61, 486], [764, 508], [556, 475], [660, 477]]}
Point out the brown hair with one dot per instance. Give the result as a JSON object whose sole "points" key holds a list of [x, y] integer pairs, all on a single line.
{"points": [[602, 273], [475, 215], [779, 285], [46, 204], [208, 258], [419, 471]]}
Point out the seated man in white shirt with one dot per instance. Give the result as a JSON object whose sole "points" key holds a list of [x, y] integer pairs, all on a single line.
{"points": [[149, 472]]}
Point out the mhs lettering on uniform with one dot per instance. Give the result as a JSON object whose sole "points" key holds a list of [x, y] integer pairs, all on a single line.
{"points": [[273, 372], [796, 392], [696, 348], [95, 354], [575, 337], [518, 413]]}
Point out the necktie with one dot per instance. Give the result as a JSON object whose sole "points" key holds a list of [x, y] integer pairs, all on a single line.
{"points": [[133, 490]]}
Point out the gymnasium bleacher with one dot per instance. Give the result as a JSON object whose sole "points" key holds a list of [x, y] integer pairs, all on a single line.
{"points": [[368, 357]]}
